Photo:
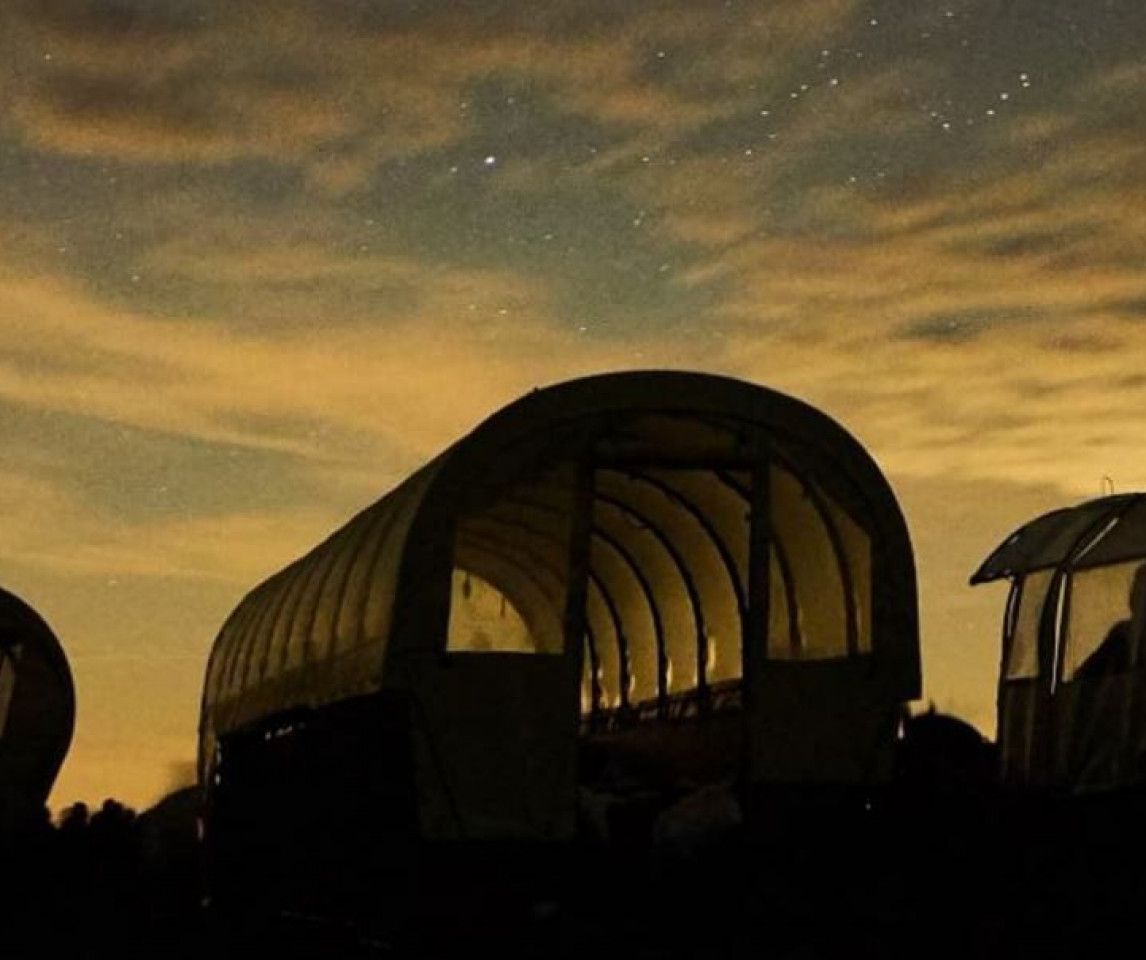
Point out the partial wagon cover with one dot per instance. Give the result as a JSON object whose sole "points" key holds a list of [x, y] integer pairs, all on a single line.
{"points": [[614, 509], [1072, 690], [37, 709]]}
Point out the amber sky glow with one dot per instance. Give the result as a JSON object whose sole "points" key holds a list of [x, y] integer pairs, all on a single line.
{"points": [[258, 262]]}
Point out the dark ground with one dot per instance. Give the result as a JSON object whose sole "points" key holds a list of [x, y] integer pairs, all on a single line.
{"points": [[882, 875], [940, 861]]}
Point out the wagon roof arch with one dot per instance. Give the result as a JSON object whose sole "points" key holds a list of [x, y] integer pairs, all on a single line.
{"points": [[344, 597]]}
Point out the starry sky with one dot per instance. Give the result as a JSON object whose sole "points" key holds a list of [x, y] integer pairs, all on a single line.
{"points": [[260, 261]]}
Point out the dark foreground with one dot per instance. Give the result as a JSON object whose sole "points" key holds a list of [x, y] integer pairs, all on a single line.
{"points": [[875, 875]]}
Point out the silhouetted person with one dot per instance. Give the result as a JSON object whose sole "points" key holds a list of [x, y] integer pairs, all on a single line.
{"points": [[74, 820], [1115, 653], [943, 754]]}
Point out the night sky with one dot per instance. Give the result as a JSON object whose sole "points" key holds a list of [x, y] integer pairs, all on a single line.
{"points": [[260, 261]]}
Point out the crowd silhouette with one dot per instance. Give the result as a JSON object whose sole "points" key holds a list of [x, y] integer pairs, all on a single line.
{"points": [[100, 883], [940, 857]]}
